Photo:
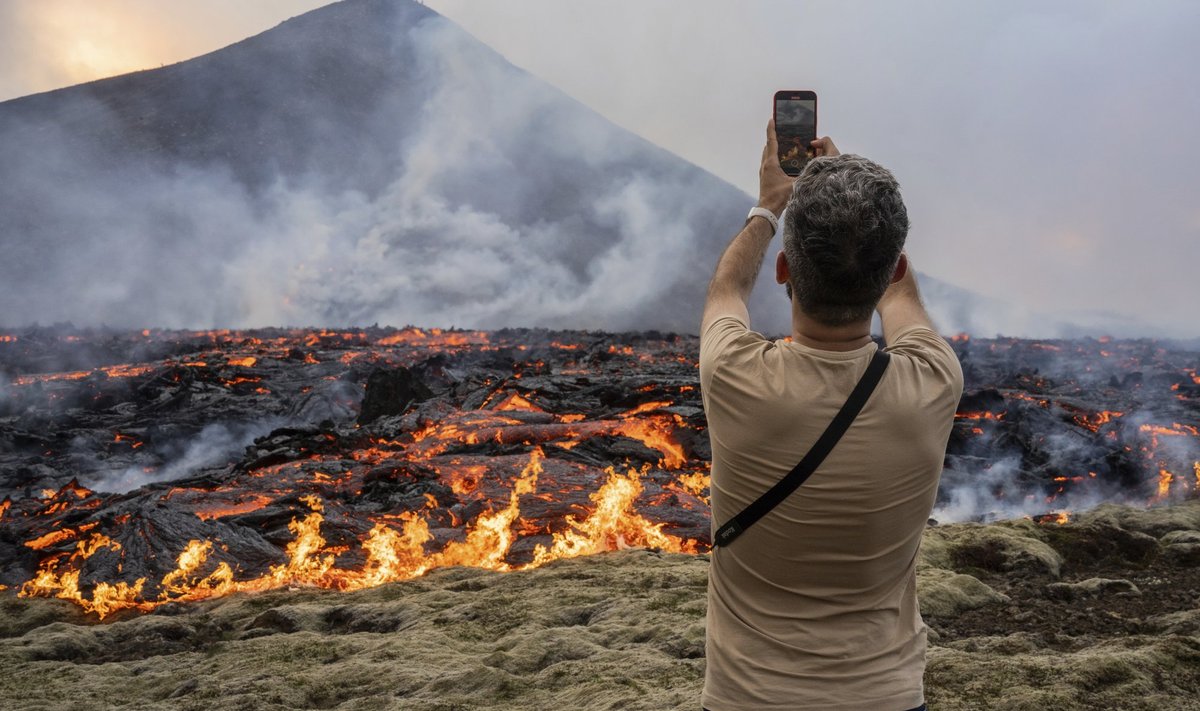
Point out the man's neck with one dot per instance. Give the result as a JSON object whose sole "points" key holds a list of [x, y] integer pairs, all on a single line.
{"points": [[817, 335]]}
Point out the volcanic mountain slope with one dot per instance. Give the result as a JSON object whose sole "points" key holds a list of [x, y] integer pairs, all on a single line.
{"points": [[1100, 613], [367, 161]]}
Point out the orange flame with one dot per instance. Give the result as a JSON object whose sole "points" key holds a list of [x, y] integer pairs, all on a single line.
{"points": [[126, 371], [613, 524], [464, 480], [305, 564], [106, 598], [516, 402], [695, 483], [390, 554], [183, 581], [434, 337], [1164, 484], [254, 503], [655, 432], [134, 442], [1096, 421], [111, 371], [1175, 430], [51, 538], [979, 416], [487, 542], [1165, 477], [646, 407]]}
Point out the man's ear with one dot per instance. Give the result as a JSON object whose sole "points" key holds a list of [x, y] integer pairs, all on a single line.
{"points": [[781, 269], [901, 268]]}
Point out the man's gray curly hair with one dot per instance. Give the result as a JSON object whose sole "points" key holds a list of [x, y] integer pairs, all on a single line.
{"points": [[842, 236]]}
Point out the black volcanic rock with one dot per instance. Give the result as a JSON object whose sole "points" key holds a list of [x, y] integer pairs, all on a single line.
{"points": [[390, 392]]}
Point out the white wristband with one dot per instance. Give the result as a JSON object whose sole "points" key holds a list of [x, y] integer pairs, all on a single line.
{"points": [[765, 214]]}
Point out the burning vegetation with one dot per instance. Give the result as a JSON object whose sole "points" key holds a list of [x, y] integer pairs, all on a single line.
{"points": [[268, 459]]}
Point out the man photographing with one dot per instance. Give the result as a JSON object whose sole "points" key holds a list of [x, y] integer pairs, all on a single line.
{"points": [[814, 605]]}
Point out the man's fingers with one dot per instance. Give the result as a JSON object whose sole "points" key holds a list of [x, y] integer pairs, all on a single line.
{"points": [[772, 146], [774, 186], [824, 147]]}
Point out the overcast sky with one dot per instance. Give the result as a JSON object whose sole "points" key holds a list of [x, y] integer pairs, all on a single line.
{"points": [[1047, 150]]}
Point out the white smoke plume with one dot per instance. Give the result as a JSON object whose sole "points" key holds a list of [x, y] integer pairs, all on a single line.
{"points": [[216, 444], [510, 205]]}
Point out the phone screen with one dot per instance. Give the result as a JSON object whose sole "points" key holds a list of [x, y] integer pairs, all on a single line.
{"points": [[795, 129]]}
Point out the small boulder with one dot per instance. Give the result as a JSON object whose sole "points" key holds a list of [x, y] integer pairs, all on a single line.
{"points": [[944, 593], [1092, 587], [276, 620], [1182, 547], [1001, 548]]}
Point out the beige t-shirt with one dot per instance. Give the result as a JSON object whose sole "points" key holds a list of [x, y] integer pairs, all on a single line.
{"points": [[815, 605]]}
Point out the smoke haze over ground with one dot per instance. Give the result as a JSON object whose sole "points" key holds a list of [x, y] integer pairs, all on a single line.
{"points": [[414, 177], [1045, 149], [215, 444]]}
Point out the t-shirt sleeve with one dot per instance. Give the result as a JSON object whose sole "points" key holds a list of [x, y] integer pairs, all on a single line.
{"points": [[724, 338], [933, 361]]}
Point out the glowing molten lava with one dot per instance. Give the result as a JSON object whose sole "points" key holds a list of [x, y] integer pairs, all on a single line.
{"points": [[390, 554], [520, 448]]}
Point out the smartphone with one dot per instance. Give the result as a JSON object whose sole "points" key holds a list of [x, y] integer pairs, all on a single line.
{"points": [[795, 128]]}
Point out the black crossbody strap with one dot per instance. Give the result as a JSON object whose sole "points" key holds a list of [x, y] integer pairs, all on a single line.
{"points": [[841, 422]]}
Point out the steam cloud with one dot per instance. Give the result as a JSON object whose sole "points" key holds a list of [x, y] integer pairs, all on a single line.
{"points": [[1007, 469], [215, 445], [508, 205], [970, 493], [470, 195]]}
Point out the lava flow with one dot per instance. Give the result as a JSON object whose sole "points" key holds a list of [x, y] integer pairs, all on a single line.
{"points": [[140, 468]]}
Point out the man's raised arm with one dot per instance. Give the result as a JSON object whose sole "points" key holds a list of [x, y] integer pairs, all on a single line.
{"points": [[901, 307], [737, 269]]}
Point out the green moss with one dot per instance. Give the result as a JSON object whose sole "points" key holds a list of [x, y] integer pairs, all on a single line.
{"points": [[616, 631]]}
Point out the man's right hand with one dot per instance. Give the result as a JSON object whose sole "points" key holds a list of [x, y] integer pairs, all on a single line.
{"points": [[902, 288], [775, 186], [824, 147], [901, 307]]}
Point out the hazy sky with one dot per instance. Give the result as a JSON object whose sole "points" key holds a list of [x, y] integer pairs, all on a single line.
{"points": [[1046, 150]]}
